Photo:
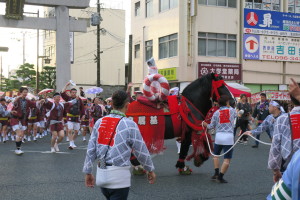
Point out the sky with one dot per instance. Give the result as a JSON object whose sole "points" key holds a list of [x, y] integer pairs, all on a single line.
{"points": [[13, 38]]}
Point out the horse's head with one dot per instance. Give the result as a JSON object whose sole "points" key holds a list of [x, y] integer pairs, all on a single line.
{"points": [[206, 89], [219, 88]]}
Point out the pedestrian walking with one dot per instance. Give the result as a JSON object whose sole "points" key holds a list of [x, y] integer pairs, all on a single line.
{"points": [[261, 112], [286, 140], [19, 120], [113, 139], [267, 125], [74, 113], [244, 109], [223, 122]]}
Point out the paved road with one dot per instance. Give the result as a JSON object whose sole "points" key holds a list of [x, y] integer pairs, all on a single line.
{"points": [[39, 175]]}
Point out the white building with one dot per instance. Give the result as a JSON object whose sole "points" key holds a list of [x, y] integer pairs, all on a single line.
{"points": [[185, 36], [84, 68]]}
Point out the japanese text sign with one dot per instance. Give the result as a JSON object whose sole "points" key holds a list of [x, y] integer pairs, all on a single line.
{"points": [[264, 22], [258, 47], [229, 72]]}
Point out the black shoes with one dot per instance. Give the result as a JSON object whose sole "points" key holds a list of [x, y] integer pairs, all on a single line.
{"points": [[214, 177], [218, 179], [255, 146], [221, 180]]}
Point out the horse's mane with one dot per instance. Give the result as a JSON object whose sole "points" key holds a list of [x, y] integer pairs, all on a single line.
{"points": [[203, 83]]}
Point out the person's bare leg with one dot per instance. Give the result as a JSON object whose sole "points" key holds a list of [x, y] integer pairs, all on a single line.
{"points": [[34, 131], [75, 135], [19, 138], [216, 162], [61, 135], [84, 131], [4, 133], [224, 169], [53, 139], [225, 166]]}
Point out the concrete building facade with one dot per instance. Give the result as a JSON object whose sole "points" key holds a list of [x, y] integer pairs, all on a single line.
{"points": [[181, 35], [112, 42]]}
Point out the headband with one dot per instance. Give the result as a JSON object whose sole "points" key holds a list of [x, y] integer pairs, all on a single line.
{"points": [[56, 94], [275, 104]]}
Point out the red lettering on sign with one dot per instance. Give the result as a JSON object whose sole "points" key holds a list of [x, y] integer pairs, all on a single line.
{"points": [[295, 121], [224, 116], [107, 130]]}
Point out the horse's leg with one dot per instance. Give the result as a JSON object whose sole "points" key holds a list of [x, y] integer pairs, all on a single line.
{"points": [[185, 145]]}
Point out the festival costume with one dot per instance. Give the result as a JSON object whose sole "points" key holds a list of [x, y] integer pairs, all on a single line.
{"points": [[281, 148], [41, 116], [4, 115], [74, 112], [288, 187], [33, 116], [19, 120], [96, 113], [223, 121], [85, 121], [266, 125], [55, 116], [127, 137]]}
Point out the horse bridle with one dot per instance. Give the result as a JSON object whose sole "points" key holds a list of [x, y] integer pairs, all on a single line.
{"points": [[215, 86]]}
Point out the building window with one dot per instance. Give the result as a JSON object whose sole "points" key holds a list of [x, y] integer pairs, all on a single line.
{"points": [[137, 9], [215, 44], [294, 6], [137, 49], [167, 4], [149, 8], [222, 3], [263, 4], [168, 46], [149, 49]]}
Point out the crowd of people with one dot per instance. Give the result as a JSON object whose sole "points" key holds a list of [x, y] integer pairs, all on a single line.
{"points": [[115, 139], [62, 114]]}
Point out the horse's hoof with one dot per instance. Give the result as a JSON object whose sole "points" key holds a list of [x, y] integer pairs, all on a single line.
{"points": [[185, 171], [138, 171]]}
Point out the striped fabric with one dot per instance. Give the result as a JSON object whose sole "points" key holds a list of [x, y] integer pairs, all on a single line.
{"points": [[281, 192]]}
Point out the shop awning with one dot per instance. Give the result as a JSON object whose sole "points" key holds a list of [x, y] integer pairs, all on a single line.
{"points": [[237, 89]]}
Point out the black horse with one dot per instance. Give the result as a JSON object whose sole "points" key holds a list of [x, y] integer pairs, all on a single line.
{"points": [[201, 93]]}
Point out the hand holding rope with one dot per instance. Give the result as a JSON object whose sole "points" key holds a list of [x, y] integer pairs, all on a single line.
{"points": [[205, 128]]}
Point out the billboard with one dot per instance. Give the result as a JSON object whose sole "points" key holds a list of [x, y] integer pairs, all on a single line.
{"points": [[229, 72], [263, 22], [169, 73], [260, 47]]}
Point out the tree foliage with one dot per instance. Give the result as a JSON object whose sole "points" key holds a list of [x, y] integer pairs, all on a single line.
{"points": [[48, 78], [26, 76]]}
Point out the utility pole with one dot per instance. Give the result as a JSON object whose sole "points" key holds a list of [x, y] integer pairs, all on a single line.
{"points": [[24, 48], [37, 58], [98, 45]]}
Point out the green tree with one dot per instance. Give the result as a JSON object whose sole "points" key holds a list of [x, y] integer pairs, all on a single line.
{"points": [[11, 84], [26, 74], [48, 78]]}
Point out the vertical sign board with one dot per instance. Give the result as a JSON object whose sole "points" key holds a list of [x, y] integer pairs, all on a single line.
{"points": [[72, 47], [14, 9]]}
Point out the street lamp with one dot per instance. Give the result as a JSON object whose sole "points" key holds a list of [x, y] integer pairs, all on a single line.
{"points": [[2, 49]]}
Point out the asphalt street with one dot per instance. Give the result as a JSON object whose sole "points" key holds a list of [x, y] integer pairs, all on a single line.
{"points": [[39, 175]]}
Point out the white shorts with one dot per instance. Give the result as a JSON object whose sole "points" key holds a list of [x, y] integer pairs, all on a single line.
{"points": [[19, 127], [73, 126], [35, 123], [41, 124]]}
